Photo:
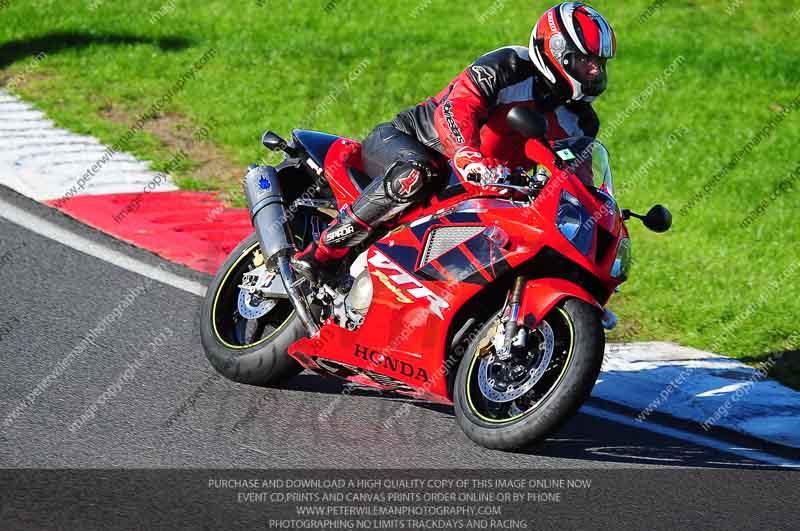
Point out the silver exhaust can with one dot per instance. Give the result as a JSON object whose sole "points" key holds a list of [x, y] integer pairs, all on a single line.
{"points": [[268, 213], [271, 223]]}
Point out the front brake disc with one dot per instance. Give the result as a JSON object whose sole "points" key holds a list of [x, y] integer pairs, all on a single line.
{"points": [[495, 393]]}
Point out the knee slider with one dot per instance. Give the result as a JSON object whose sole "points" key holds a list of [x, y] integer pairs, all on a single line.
{"points": [[407, 181]]}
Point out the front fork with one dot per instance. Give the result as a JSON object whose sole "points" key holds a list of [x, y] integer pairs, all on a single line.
{"points": [[512, 327], [513, 333]]}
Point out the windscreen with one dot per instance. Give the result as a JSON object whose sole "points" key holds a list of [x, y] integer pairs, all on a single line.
{"points": [[588, 159]]}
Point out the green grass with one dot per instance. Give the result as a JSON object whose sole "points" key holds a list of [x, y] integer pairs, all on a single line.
{"points": [[280, 65]]}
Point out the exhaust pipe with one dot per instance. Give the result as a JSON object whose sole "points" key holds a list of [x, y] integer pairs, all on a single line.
{"points": [[268, 216]]}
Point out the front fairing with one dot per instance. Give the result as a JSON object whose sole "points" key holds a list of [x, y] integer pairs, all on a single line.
{"points": [[426, 271], [584, 184], [535, 219]]}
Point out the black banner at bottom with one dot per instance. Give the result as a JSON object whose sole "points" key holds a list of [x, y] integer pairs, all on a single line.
{"points": [[398, 499]]}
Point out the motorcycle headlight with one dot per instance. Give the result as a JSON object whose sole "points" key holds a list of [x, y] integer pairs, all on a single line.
{"points": [[575, 223], [622, 263]]}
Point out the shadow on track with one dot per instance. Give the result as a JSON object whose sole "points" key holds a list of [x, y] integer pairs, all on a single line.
{"points": [[785, 365], [584, 437]]}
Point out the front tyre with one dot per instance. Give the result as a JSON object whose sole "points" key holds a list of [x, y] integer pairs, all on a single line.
{"points": [[251, 351], [507, 404]]}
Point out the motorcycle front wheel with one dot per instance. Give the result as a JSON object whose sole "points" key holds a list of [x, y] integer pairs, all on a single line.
{"points": [[515, 402]]}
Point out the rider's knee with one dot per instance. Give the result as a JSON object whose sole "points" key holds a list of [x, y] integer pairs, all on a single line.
{"points": [[410, 181]]}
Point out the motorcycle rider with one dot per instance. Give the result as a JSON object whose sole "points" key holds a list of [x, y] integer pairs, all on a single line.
{"points": [[559, 74]]}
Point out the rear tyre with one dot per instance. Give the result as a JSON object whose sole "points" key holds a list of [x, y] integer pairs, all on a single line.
{"points": [[572, 333], [247, 351]]}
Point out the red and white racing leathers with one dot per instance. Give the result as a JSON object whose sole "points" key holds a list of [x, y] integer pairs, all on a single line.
{"points": [[470, 113], [465, 122]]}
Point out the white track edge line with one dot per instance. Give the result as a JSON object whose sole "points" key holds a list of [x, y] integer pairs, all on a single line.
{"points": [[63, 236]]}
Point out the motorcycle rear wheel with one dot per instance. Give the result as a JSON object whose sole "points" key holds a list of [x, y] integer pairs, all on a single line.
{"points": [[251, 352], [578, 346]]}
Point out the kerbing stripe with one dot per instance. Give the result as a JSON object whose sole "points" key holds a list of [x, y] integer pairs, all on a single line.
{"points": [[66, 237]]}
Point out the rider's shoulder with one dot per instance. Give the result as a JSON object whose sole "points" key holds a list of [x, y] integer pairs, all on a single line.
{"points": [[510, 56], [501, 68]]}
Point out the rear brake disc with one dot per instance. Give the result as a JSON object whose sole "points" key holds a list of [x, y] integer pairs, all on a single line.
{"points": [[253, 307]]}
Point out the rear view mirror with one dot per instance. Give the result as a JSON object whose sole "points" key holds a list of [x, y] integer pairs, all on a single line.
{"points": [[527, 122], [658, 219]]}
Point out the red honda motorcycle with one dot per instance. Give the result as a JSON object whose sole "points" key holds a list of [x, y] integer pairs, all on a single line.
{"points": [[491, 299]]}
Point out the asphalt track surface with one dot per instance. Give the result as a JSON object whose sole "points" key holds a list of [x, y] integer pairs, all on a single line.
{"points": [[173, 411]]}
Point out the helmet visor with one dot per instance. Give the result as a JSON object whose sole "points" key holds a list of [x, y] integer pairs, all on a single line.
{"points": [[588, 70]]}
